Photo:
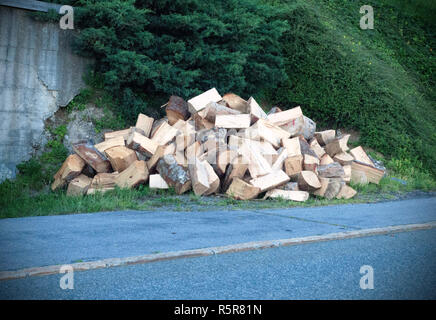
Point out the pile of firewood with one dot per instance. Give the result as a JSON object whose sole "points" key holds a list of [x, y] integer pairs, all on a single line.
{"points": [[213, 144]]}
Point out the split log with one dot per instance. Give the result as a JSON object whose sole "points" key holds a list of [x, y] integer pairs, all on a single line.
{"points": [[194, 150], [270, 181], [305, 147], [360, 155], [290, 186], [326, 159], [199, 176], [292, 146], [115, 134], [202, 123], [70, 169], [332, 170], [164, 134], [309, 128], [79, 186], [114, 142], [278, 164], [325, 137], [160, 152], [181, 159], [319, 151], [241, 190], [186, 136], [361, 173], [293, 165], [236, 169], [330, 187], [174, 174], [93, 157], [199, 102], [236, 121], [265, 130], [224, 157], [299, 196], [308, 181], [236, 102], [310, 163], [157, 182], [346, 192], [256, 112], [156, 125], [338, 145], [144, 123], [102, 182], [121, 157], [134, 175], [274, 110], [214, 180], [142, 144], [347, 176], [213, 109], [176, 109], [343, 158], [286, 117], [257, 165]]}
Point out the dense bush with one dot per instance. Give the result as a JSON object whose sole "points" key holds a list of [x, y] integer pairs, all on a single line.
{"points": [[379, 81], [151, 48]]}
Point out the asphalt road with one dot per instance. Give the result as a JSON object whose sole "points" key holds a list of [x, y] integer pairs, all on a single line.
{"points": [[404, 267], [41, 241]]}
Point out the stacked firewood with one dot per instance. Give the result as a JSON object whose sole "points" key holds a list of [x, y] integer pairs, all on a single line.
{"points": [[217, 144]]}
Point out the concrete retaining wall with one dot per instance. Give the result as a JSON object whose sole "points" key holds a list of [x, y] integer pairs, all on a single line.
{"points": [[38, 74]]}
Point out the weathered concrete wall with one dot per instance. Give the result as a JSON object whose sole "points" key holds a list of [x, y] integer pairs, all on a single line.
{"points": [[38, 73]]}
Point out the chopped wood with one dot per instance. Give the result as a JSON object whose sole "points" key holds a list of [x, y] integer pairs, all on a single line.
{"points": [[157, 182], [290, 186], [300, 196], [360, 155], [338, 145], [242, 190], [236, 169], [293, 165], [308, 181], [309, 128], [343, 158], [181, 159], [202, 123], [164, 134], [214, 180], [285, 117], [257, 164], [142, 144], [305, 147], [326, 159], [264, 129], [102, 182], [315, 146], [346, 192], [270, 181], [292, 146], [330, 187], [332, 170], [280, 160], [179, 124], [115, 134], [347, 176], [199, 102], [325, 137], [236, 121], [310, 163], [174, 174], [256, 112], [177, 109], [114, 142], [93, 157], [224, 157], [160, 152], [134, 175], [362, 173], [199, 176], [121, 157], [71, 168], [194, 150], [79, 186], [236, 102], [274, 110], [144, 123], [213, 109]]}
